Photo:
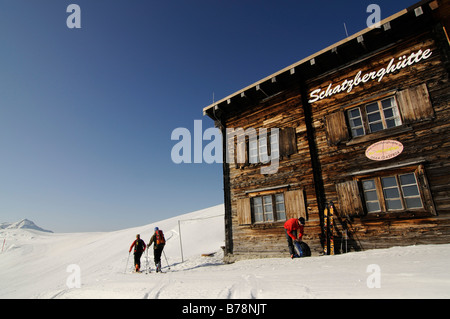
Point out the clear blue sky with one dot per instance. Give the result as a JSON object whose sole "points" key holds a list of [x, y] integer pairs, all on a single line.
{"points": [[86, 115]]}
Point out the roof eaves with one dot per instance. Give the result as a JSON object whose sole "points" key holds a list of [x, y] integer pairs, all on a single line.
{"points": [[305, 60]]}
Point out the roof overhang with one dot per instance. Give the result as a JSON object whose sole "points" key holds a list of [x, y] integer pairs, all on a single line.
{"points": [[291, 70]]}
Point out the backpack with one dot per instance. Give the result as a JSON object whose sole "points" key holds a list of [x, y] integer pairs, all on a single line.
{"points": [[139, 245], [159, 237], [302, 249], [305, 248]]}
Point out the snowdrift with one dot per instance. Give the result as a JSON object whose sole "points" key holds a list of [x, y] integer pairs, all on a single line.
{"points": [[36, 264]]}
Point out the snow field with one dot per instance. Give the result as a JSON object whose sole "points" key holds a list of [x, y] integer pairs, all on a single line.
{"points": [[35, 264]]}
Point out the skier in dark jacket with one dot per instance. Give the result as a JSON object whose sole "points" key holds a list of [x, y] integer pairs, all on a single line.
{"points": [[294, 232], [159, 242], [139, 248]]}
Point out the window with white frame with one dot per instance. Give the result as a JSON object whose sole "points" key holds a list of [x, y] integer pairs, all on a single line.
{"points": [[356, 122], [259, 149], [398, 192], [268, 208], [373, 117], [379, 115], [392, 193]]}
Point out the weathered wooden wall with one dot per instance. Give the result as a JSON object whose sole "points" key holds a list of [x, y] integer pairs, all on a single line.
{"points": [[426, 141], [326, 157], [282, 111]]}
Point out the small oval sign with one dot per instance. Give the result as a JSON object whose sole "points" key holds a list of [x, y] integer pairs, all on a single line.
{"points": [[384, 150]]}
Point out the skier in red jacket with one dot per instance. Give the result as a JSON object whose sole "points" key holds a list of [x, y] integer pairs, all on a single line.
{"points": [[139, 248], [294, 232]]}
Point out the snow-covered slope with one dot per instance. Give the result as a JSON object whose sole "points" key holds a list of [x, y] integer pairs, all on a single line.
{"points": [[48, 265]]}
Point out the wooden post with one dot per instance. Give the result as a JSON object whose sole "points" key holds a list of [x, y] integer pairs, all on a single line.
{"points": [[181, 243]]}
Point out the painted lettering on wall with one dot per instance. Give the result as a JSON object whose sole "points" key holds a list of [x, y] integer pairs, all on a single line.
{"points": [[349, 84], [384, 150]]}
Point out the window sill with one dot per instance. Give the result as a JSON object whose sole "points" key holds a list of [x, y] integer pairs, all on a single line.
{"points": [[268, 225], [378, 135], [396, 215]]}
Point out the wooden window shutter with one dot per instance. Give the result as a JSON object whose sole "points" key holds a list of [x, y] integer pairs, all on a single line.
{"points": [[336, 128], [288, 141], [294, 202], [415, 104], [349, 199], [424, 186], [244, 211]]}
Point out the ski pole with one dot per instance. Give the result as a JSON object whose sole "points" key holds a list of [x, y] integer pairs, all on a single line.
{"points": [[346, 237], [166, 260], [126, 266], [147, 263]]}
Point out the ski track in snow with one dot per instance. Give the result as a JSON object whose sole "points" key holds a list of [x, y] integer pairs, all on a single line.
{"points": [[34, 265]]}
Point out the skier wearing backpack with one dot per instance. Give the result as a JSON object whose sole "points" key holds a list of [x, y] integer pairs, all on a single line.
{"points": [[159, 242], [139, 248], [294, 232]]}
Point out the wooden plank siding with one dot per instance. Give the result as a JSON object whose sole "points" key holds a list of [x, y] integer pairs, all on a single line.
{"points": [[267, 239], [322, 161], [422, 94]]}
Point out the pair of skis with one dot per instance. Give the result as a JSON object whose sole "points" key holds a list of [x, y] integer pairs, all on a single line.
{"points": [[147, 271], [147, 264], [147, 268], [328, 227]]}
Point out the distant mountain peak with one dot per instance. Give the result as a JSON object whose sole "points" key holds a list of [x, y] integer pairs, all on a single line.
{"points": [[23, 224]]}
